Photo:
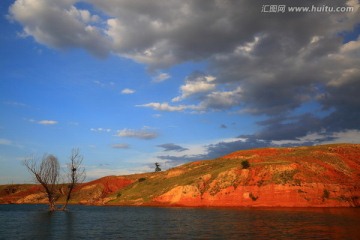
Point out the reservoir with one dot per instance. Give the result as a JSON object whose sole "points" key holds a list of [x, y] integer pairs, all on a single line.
{"points": [[115, 222]]}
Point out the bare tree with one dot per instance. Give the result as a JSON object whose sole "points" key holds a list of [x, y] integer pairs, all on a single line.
{"points": [[47, 173], [75, 174]]}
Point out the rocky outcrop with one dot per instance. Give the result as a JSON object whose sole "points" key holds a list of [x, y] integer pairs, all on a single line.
{"points": [[272, 195], [326, 176]]}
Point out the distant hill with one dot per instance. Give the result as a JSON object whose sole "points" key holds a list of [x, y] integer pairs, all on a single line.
{"points": [[318, 176]]}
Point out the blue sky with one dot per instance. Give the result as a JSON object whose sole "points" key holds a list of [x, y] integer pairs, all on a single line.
{"points": [[131, 83]]}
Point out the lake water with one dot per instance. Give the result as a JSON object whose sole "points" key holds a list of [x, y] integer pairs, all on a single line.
{"points": [[90, 222]]}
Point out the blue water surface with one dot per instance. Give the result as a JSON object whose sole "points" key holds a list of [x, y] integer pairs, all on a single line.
{"points": [[92, 222]]}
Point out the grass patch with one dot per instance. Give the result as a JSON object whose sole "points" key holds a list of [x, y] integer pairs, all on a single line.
{"points": [[284, 177], [157, 184]]}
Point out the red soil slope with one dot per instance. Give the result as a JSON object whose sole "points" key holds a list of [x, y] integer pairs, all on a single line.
{"points": [[326, 176], [320, 176]]}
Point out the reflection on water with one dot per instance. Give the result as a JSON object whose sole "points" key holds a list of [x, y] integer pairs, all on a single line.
{"points": [[87, 222], [41, 224]]}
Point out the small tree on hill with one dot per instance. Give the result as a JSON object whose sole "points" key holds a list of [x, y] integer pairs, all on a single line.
{"points": [[245, 164], [157, 167], [47, 173]]}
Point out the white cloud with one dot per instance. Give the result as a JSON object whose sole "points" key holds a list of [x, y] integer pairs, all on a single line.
{"points": [[4, 141], [7, 142], [215, 100], [99, 83], [83, 15], [195, 85], [164, 107], [247, 48], [104, 84], [161, 77], [47, 122], [195, 151], [127, 91], [348, 136], [156, 115], [120, 146], [42, 122], [100, 129], [222, 100], [74, 123], [15, 104], [141, 134], [95, 172]]}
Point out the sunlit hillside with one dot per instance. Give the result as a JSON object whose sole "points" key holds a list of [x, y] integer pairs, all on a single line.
{"points": [[327, 175]]}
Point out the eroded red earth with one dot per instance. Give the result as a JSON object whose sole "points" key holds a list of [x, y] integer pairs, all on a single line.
{"points": [[321, 176]]}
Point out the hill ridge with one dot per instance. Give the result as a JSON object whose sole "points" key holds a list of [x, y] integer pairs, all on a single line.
{"points": [[315, 176]]}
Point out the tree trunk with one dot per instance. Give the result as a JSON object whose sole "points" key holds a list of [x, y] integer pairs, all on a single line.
{"points": [[52, 206], [68, 196]]}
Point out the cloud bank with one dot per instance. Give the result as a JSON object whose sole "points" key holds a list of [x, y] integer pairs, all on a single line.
{"points": [[272, 65]]}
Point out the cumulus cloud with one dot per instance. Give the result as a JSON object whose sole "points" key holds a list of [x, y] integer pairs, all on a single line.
{"points": [[221, 100], [59, 24], [172, 147], [215, 100], [127, 91], [161, 77], [194, 84], [141, 134]]}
